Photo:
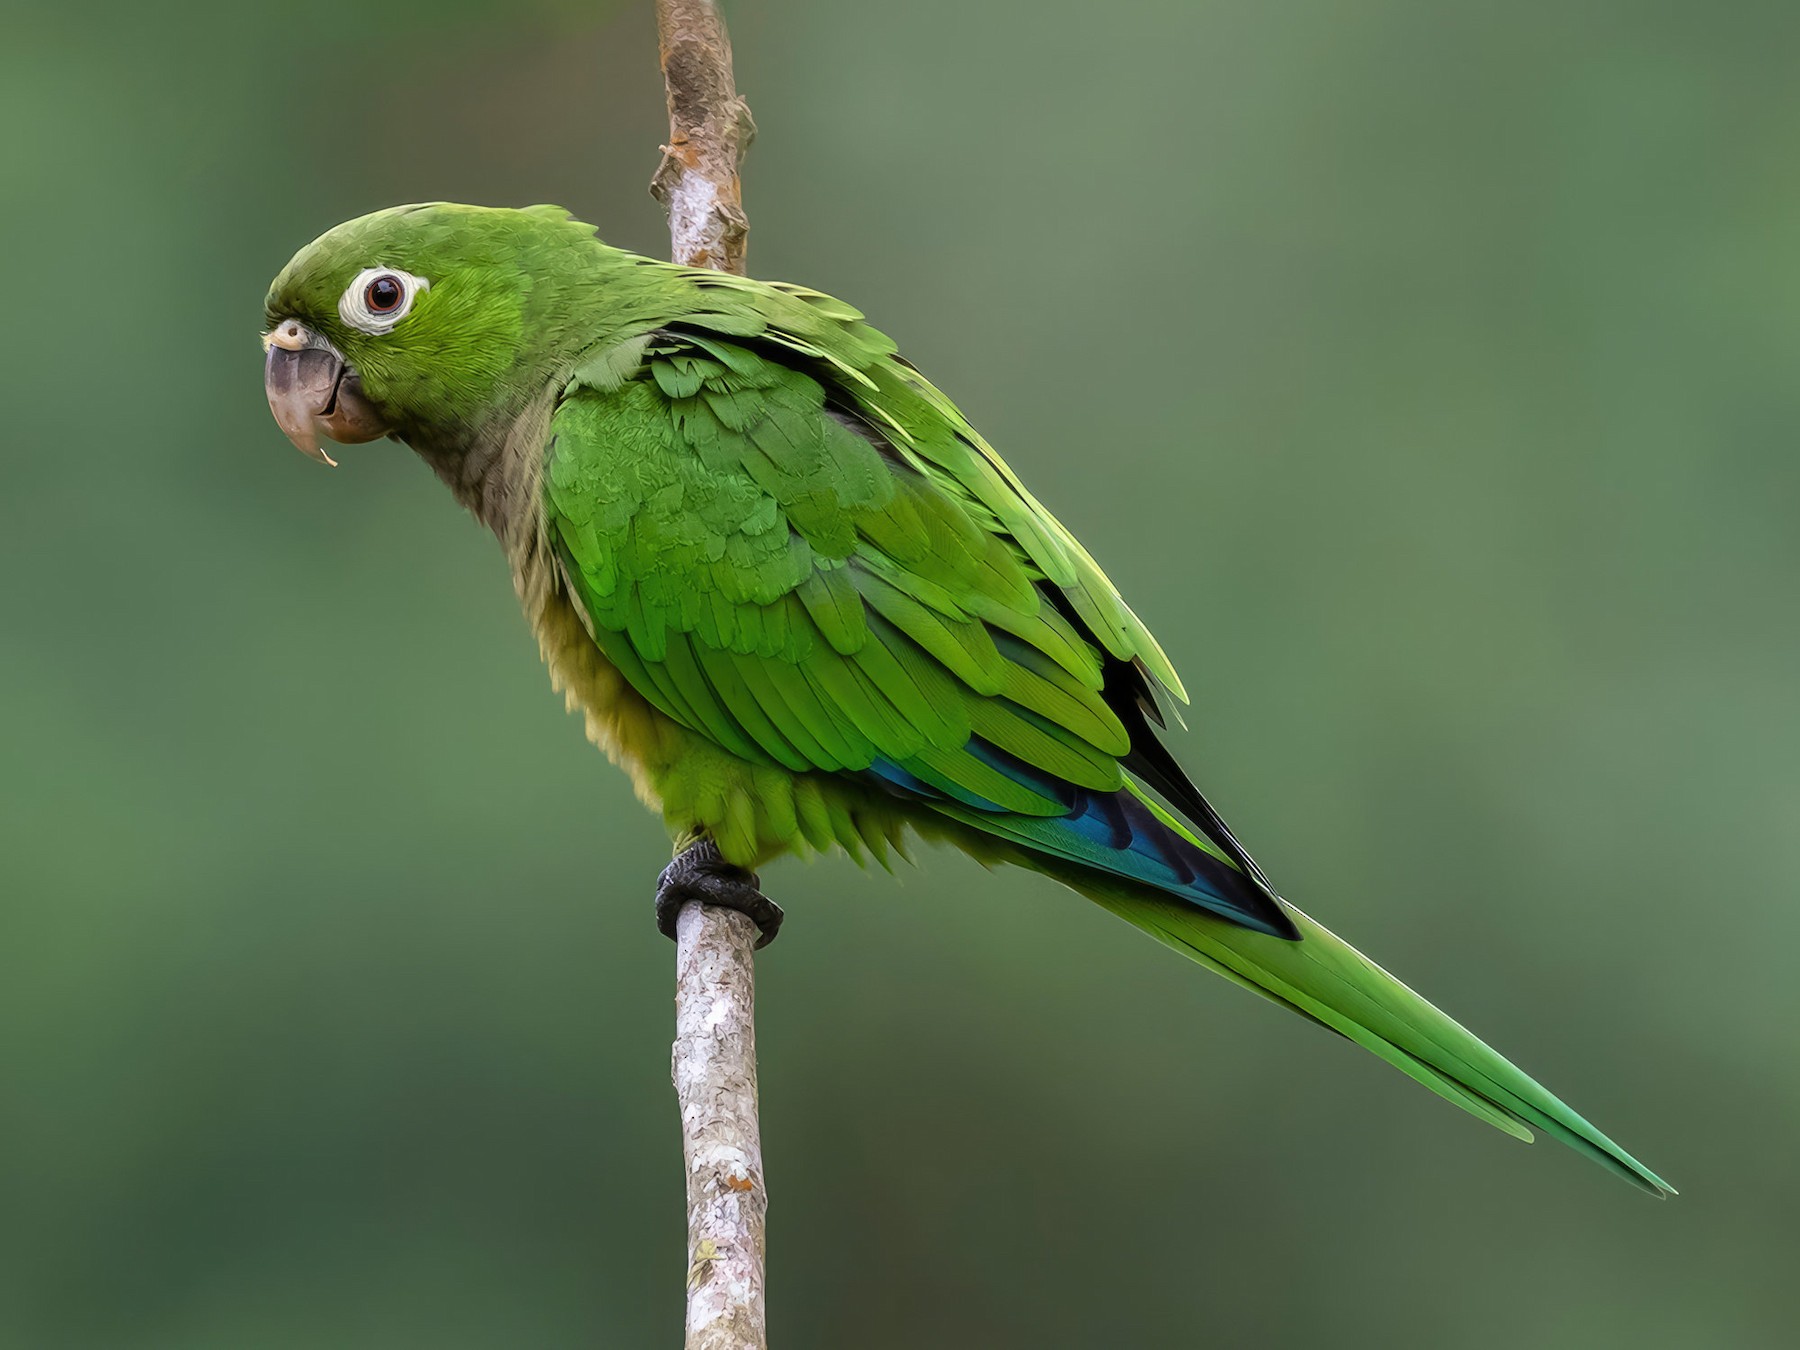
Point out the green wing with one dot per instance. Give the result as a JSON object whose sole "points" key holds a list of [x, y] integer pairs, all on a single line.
{"points": [[792, 545], [789, 542]]}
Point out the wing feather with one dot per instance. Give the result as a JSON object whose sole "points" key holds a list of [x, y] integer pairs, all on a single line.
{"points": [[794, 546]]}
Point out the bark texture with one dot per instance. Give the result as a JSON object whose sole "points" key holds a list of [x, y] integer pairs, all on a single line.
{"points": [[709, 131], [714, 1058], [715, 1080]]}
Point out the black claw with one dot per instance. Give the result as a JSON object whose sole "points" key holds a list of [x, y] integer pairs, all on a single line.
{"points": [[700, 874]]}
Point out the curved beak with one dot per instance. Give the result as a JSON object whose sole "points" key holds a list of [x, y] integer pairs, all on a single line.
{"points": [[312, 393]]}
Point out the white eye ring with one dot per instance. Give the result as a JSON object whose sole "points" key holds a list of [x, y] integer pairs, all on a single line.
{"points": [[355, 306]]}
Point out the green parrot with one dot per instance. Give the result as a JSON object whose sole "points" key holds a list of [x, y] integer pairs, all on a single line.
{"points": [[803, 603]]}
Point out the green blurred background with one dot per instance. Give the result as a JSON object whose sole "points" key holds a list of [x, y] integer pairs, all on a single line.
{"points": [[1425, 375]]}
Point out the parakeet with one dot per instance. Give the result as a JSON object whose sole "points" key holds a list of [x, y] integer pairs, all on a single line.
{"points": [[803, 603]]}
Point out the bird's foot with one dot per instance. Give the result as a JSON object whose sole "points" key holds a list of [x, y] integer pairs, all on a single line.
{"points": [[699, 874]]}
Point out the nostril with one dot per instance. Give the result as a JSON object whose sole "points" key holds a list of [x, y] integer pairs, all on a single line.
{"points": [[289, 335]]}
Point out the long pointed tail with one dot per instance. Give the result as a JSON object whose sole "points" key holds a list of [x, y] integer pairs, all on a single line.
{"points": [[1326, 979]]}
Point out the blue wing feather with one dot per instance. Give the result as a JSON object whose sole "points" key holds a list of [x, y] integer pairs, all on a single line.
{"points": [[1121, 832]]}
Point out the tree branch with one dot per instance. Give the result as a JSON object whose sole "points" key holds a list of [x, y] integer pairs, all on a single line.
{"points": [[715, 1080], [709, 131], [714, 1057]]}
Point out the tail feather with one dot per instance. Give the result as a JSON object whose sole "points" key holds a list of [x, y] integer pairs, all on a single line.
{"points": [[1328, 981]]}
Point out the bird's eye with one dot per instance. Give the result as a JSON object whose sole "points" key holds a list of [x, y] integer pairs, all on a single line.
{"points": [[384, 294], [379, 298]]}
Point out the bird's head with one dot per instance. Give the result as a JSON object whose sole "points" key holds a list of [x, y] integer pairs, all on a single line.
{"points": [[418, 319]]}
